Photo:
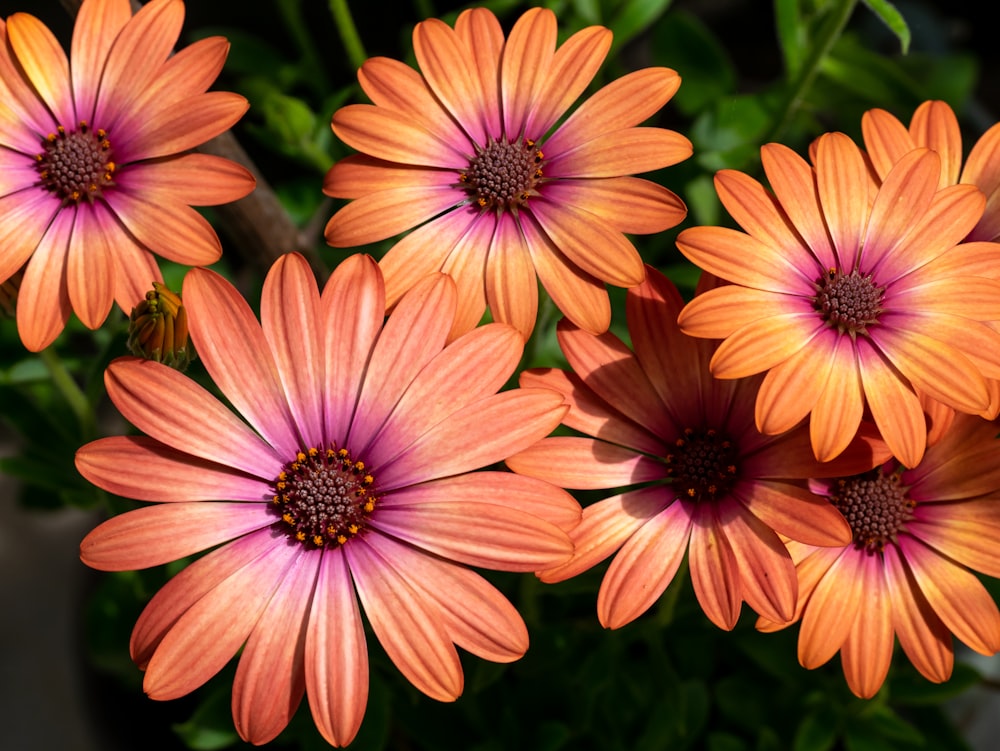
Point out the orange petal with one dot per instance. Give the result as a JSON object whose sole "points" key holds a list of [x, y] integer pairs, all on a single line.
{"points": [[644, 567], [837, 413], [832, 609], [620, 152], [867, 651], [842, 183], [44, 62], [511, 285], [714, 574], [524, 68], [585, 463], [886, 140], [90, 269], [894, 406], [377, 216], [763, 344], [628, 204], [97, 26], [934, 125]]}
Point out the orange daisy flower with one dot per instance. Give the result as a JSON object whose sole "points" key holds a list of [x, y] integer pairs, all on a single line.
{"points": [[917, 533], [850, 294], [710, 484], [93, 178], [935, 126], [469, 152], [353, 481]]}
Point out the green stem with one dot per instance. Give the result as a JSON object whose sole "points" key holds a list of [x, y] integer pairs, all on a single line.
{"points": [[291, 13], [668, 600], [70, 390], [820, 47], [348, 32]]}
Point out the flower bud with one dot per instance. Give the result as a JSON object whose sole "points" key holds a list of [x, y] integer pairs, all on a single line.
{"points": [[158, 329]]}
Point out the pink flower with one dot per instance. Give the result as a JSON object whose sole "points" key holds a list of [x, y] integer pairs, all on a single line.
{"points": [[94, 178], [352, 482]]}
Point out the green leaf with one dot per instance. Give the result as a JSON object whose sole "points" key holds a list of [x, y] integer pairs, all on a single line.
{"points": [[893, 19], [684, 43], [635, 16], [792, 35], [916, 690], [817, 731], [211, 726]]}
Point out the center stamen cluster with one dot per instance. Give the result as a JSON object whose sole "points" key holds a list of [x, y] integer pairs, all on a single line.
{"points": [[702, 464], [324, 498], [876, 507], [849, 302], [77, 164], [504, 174]]}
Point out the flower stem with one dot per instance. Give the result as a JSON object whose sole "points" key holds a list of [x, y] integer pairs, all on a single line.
{"points": [[348, 32], [70, 390], [820, 47]]}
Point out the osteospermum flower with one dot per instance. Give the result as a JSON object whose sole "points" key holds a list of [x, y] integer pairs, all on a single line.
{"points": [[468, 151], [709, 484], [851, 295], [916, 535], [935, 126], [352, 482], [93, 174]]}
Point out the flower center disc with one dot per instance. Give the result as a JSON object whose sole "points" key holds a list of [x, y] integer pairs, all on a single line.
{"points": [[504, 174], [77, 164], [702, 464], [849, 302], [324, 498], [876, 507]]}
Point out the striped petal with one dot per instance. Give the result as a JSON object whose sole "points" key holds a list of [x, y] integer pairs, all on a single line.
{"points": [[644, 567], [832, 609], [41, 57], [867, 651], [585, 463], [525, 68], [714, 576], [336, 656]]}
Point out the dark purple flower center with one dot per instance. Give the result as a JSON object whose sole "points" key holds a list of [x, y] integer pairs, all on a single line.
{"points": [[702, 464], [76, 165], [848, 302], [875, 505], [324, 498], [504, 174]]}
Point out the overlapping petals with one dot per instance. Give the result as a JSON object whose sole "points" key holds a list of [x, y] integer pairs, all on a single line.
{"points": [[321, 372], [562, 223], [121, 97], [918, 584], [849, 292], [697, 476]]}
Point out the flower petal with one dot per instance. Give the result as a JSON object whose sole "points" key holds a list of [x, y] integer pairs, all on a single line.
{"points": [[190, 478], [716, 581], [174, 409], [842, 182], [794, 512], [507, 423], [894, 406], [628, 204], [605, 527], [525, 68], [289, 313], [270, 677], [832, 609], [410, 629], [621, 104], [236, 354], [867, 651], [154, 535], [395, 137], [336, 657], [353, 303], [43, 305], [956, 595], [385, 213], [922, 635], [90, 267], [167, 227], [585, 463], [590, 243], [511, 286], [195, 179], [644, 567], [763, 344], [44, 62], [210, 632], [97, 26], [620, 152]]}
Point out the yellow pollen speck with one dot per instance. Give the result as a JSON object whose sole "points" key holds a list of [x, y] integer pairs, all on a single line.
{"points": [[300, 536], [690, 492], [288, 518], [317, 540], [341, 539], [370, 506], [301, 457]]}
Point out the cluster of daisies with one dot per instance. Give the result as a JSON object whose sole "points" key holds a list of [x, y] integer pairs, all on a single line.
{"points": [[814, 431]]}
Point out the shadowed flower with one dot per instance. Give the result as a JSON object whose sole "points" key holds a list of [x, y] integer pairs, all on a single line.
{"points": [[92, 175], [468, 151], [352, 481], [709, 484], [850, 294], [906, 573]]}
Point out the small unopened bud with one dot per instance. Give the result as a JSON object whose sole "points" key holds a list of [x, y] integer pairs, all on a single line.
{"points": [[158, 329]]}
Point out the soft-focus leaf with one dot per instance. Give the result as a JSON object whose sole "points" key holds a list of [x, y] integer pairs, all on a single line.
{"points": [[893, 19]]}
